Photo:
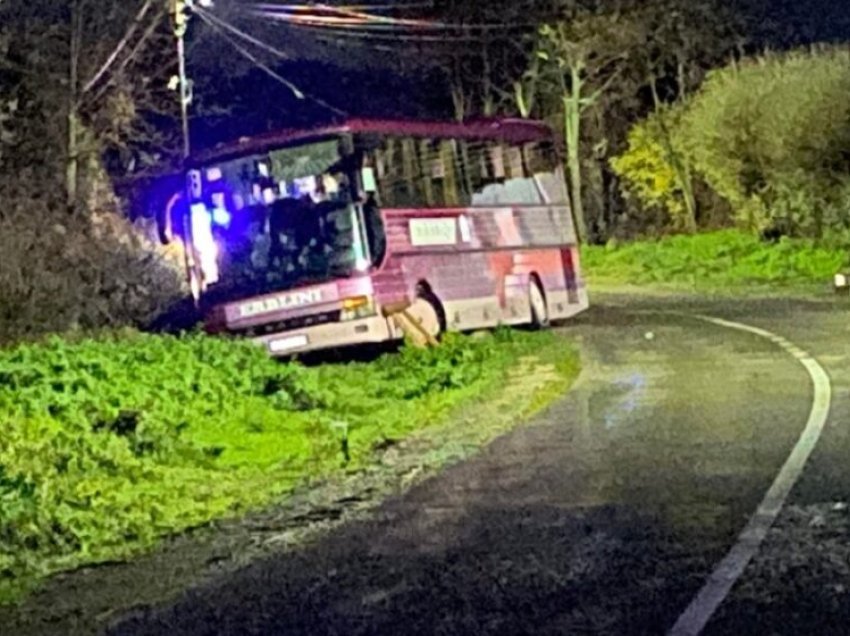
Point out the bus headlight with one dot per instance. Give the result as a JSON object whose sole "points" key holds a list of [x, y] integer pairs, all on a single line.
{"points": [[357, 307]]}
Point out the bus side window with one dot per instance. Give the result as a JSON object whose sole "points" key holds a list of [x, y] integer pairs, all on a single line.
{"points": [[410, 180], [466, 170], [487, 172], [539, 158], [448, 174], [541, 165], [416, 173], [428, 172], [393, 166], [514, 168], [405, 177]]}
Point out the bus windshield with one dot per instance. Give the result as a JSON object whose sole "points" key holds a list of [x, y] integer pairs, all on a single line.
{"points": [[269, 222]]}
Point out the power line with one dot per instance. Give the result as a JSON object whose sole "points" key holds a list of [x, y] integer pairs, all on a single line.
{"points": [[330, 19], [389, 6], [210, 17], [339, 28], [212, 23], [215, 27], [346, 16], [333, 33], [328, 33], [379, 19]]}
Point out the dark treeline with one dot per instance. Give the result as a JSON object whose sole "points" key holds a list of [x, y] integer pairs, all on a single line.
{"points": [[89, 120]]}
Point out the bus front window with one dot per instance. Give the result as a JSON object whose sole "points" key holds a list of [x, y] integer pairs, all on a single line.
{"points": [[273, 222]]}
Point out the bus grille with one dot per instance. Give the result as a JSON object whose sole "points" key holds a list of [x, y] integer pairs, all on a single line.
{"points": [[288, 325]]}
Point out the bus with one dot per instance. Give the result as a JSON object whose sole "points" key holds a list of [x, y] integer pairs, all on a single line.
{"points": [[319, 238]]}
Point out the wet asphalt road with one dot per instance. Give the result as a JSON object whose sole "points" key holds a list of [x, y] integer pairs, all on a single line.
{"points": [[606, 514]]}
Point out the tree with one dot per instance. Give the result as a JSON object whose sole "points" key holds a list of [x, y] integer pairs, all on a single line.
{"points": [[105, 65], [65, 116], [583, 58], [607, 64], [769, 135], [648, 171], [686, 40]]}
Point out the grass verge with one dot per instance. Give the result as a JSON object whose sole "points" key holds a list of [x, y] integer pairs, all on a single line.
{"points": [[113, 443], [726, 261]]}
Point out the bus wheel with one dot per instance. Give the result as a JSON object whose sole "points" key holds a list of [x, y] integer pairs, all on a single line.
{"points": [[539, 310]]}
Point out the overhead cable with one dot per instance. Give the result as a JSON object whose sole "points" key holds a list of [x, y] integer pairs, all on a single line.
{"points": [[220, 29], [349, 17], [222, 24]]}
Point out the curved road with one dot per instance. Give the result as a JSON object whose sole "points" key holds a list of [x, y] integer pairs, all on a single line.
{"points": [[605, 515]]}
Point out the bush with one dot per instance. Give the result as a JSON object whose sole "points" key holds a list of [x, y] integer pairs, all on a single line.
{"points": [[100, 447], [110, 443], [60, 273], [720, 260], [769, 135], [646, 167]]}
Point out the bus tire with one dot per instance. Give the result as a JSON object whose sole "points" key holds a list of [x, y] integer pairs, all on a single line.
{"points": [[537, 302]]}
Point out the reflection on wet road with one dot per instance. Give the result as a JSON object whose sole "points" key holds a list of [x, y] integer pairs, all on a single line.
{"points": [[632, 390], [604, 516]]}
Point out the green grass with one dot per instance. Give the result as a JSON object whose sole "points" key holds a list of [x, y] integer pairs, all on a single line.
{"points": [[110, 444], [726, 260]]}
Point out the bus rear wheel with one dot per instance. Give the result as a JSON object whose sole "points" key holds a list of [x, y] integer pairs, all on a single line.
{"points": [[539, 310]]}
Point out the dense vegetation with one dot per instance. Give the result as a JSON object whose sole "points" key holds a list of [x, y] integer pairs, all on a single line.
{"points": [[765, 141], [85, 113], [728, 260], [69, 256], [62, 273], [110, 443]]}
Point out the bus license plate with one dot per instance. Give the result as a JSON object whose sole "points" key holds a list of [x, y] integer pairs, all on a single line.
{"points": [[288, 344]]}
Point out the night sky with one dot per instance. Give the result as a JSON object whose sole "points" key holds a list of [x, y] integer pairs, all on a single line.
{"points": [[371, 83]]}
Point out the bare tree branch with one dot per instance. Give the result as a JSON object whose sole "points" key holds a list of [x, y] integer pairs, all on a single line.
{"points": [[122, 44], [146, 36]]}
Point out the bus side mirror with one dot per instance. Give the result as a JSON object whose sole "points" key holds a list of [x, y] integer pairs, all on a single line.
{"points": [[166, 217]]}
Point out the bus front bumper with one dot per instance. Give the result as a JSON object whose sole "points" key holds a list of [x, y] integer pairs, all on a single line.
{"points": [[328, 336]]}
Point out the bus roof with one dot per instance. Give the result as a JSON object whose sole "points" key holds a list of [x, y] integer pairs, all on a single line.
{"points": [[509, 130]]}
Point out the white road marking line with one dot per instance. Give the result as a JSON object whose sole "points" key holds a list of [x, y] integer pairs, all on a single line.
{"points": [[694, 619]]}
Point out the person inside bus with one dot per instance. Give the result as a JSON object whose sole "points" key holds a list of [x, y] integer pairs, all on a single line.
{"points": [[374, 229], [282, 214], [374, 225], [331, 205]]}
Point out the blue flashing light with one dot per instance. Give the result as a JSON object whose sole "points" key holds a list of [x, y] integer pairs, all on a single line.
{"points": [[200, 214], [204, 242], [221, 217]]}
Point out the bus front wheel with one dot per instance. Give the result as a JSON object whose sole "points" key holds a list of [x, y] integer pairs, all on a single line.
{"points": [[539, 310]]}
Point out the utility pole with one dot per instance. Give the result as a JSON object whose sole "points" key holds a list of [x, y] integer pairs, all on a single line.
{"points": [[180, 17], [72, 161], [179, 9]]}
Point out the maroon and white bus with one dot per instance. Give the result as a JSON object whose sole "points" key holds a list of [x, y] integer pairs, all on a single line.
{"points": [[302, 239]]}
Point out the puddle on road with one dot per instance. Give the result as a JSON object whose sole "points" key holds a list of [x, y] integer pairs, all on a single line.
{"points": [[615, 403], [691, 419]]}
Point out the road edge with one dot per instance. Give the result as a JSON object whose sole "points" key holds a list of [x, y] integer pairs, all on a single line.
{"points": [[726, 573]]}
